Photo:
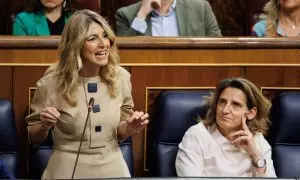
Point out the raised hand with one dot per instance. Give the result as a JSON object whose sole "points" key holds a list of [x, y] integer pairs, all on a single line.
{"points": [[244, 139], [146, 7], [49, 117], [136, 123]]}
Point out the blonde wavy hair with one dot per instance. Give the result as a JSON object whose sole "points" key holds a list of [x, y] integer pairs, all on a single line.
{"points": [[73, 37], [271, 14], [254, 97]]}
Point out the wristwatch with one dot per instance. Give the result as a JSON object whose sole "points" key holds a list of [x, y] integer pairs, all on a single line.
{"points": [[259, 163]]}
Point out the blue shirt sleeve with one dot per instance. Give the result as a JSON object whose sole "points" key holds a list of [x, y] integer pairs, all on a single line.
{"points": [[139, 25]]}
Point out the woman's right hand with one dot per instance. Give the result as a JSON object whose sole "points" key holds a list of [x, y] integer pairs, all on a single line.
{"points": [[49, 117]]}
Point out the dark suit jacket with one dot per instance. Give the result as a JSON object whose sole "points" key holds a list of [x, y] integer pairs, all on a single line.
{"points": [[194, 18]]}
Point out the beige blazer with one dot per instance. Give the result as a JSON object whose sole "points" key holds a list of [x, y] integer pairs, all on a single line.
{"points": [[100, 154]]}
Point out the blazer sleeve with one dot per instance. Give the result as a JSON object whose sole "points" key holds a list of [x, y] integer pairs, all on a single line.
{"points": [[19, 26], [127, 106], [259, 29], [123, 23], [211, 23], [189, 160], [41, 99], [267, 154]]}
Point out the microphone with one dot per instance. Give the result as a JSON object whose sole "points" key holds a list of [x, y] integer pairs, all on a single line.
{"points": [[90, 105]]}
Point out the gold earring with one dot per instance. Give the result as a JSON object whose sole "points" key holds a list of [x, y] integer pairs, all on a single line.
{"points": [[64, 4]]}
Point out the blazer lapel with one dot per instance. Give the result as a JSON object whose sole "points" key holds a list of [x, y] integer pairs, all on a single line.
{"points": [[181, 15], [149, 26], [41, 26]]}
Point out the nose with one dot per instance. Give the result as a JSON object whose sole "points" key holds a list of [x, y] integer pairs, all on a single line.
{"points": [[226, 109], [101, 42]]}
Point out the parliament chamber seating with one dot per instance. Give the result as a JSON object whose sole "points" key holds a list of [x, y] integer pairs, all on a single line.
{"points": [[40, 156], [284, 135], [175, 112], [8, 137], [127, 151]]}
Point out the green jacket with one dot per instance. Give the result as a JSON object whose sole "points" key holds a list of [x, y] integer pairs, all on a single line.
{"points": [[32, 24], [194, 18]]}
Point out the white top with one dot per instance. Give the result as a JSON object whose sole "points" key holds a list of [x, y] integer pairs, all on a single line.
{"points": [[206, 152]]}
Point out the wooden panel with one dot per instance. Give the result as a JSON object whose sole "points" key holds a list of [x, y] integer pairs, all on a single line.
{"points": [[173, 57], [274, 76], [143, 77], [24, 77], [51, 42], [166, 51], [6, 83], [28, 56], [214, 57]]}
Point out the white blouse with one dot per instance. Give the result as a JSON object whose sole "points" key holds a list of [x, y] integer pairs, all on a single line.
{"points": [[205, 152]]}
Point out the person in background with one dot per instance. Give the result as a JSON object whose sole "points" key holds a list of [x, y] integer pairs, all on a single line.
{"points": [[280, 18], [230, 141], [88, 68], [42, 18], [167, 18], [4, 172]]}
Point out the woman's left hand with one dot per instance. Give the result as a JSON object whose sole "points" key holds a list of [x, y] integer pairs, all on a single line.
{"points": [[244, 139], [136, 123]]}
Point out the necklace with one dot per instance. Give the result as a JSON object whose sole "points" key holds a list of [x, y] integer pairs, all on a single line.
{"points": [[287, 21], [293, 26]]}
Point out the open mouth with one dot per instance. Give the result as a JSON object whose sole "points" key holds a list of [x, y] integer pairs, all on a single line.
{"points": [[101, 53]]}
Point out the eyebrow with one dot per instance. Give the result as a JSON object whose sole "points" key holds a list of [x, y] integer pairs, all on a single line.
{"points": [[239, 103], [96, 34], [220, 98], [234, 101]]}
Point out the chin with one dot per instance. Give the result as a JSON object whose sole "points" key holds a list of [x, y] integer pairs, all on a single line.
{"points": [[102, 63]]}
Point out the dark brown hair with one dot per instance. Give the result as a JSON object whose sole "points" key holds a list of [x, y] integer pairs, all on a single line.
{"points": [[254, 98]]}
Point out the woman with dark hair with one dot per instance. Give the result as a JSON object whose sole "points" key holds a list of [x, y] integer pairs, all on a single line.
{"points": [[280, 18], [229, 141], [42, 18]]}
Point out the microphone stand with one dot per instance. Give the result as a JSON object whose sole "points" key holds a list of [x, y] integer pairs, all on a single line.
{"points": [[90, 105]]}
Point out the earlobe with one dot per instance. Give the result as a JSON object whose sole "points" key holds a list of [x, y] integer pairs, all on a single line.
{"points": [[252, 113]]}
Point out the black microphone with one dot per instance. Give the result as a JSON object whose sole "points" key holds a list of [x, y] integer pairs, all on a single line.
{"points": [[90, 105]]}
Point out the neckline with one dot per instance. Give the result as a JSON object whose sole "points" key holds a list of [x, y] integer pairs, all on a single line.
{"points": [[93, 78], [215, 133]]}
